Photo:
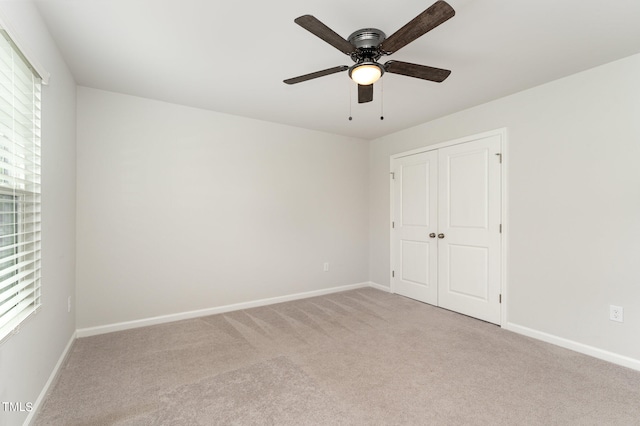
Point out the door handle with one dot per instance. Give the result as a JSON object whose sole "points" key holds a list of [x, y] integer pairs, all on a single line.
{"points": [[432, 235], [441, 236]]}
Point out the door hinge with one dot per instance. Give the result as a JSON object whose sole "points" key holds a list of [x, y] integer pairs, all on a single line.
{"points": [[499, 157], [393, 224], [500, 298], [393, 274], [501, 228], [393, 175]]}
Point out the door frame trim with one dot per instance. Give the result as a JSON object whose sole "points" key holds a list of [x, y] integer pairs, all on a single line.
{"points": [[502, 132]]}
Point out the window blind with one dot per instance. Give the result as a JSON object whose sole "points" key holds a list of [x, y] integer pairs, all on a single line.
{"points": [[20, 230]]}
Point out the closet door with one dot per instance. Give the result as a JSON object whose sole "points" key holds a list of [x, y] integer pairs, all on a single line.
{"points": [[415, 219], [469, 243]]}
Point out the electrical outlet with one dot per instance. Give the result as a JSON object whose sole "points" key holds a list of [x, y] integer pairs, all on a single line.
{"points": [[69, 304], [325, 267], [616, 313]]}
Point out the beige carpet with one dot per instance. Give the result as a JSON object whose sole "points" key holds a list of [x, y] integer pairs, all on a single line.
{"points": [[352, 358]]}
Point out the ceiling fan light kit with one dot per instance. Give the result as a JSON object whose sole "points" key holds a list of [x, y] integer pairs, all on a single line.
{"points": [[366, 46], [366, 73]]}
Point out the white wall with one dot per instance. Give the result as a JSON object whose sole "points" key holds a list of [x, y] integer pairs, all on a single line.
{"points": [[28, 358], [181, 209], [573, 203]]}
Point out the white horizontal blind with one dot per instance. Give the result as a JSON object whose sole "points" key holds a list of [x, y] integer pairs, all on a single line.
{"points": [[20, 90]]}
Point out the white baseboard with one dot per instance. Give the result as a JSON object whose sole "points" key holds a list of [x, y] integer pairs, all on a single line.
{"points": [[93, 331], [379, 287], [612, 357], [50, 381]]}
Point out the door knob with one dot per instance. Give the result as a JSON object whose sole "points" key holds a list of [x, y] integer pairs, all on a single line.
{"points": [[441, 236], [432, 235]]}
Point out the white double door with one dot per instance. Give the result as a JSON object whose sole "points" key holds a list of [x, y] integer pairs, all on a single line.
{"points": [[446, 236]]}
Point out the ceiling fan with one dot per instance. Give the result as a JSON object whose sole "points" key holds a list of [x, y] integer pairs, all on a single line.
{"points": [[368, 45]]}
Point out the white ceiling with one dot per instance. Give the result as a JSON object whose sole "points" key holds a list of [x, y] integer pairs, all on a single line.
{"points": [[231, 56]]}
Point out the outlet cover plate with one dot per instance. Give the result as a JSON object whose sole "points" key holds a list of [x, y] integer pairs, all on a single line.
{"points": [[616, 313]]}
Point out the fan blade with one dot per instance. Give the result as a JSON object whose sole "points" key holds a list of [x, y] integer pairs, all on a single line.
{"points": [[435, 15], [365, 93], [418, 71], [316, 74], [317, 28]]}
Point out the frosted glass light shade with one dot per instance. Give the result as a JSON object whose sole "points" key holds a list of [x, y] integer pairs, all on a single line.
{"points": [[365, 74]]}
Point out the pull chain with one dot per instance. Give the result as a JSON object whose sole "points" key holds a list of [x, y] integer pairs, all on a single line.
{"points": [[350, 98], [381, 99]]}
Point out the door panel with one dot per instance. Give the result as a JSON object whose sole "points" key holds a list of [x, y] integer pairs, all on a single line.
{"points": [[467, 189], [468, 271], [415, 269], [415, 196], [415, 217], [469, 211]]}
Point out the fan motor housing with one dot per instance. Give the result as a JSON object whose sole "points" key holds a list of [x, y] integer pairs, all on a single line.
{"points": [[367, 38]]}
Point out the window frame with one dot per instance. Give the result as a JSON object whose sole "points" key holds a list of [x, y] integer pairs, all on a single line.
{"points": [[20, 185]]}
